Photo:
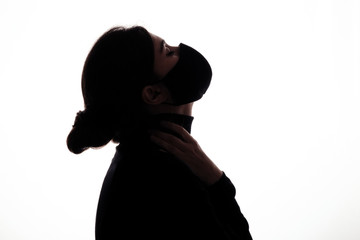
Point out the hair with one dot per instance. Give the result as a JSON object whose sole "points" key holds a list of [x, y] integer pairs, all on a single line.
{"points": [[116, 69]]}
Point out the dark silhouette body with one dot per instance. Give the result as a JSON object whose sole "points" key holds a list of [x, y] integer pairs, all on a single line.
{"points": [[149, 194], [139, 92]]}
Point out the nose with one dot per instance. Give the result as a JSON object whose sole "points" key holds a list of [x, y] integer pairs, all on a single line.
{"points": [[175, 49]]}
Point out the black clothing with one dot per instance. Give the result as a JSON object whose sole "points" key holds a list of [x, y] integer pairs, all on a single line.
{"points": [[149, 194]]}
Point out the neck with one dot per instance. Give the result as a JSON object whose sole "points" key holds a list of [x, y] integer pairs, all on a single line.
{"points": [[141, 135], [185, 109], [154, 121]]}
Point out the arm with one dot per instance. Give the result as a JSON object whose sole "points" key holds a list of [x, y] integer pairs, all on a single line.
{"points": [[222, 197], [225, 216]]}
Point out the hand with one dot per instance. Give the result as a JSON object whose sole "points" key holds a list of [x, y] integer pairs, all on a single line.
{"points": [[187, 150]]}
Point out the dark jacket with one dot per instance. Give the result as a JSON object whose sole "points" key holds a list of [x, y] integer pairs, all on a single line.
{"points": [[149, 194]]}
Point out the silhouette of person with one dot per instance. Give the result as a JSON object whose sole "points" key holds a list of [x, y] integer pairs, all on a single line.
{"points": [[138, 91]]}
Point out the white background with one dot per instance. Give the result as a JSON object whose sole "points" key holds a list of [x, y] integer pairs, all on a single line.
{"points": [[281, 117]]}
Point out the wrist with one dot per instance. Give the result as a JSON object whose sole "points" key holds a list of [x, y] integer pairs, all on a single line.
{"points": [[212, 175]]}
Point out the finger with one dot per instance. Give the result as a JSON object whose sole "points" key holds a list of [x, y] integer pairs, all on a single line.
{"points": [[170, 138], [168, 142], [177, 129]]}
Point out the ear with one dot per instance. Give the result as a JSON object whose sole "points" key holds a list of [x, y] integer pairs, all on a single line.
{"points": [[154, 94]]}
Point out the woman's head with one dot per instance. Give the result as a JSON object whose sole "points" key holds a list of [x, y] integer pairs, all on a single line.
{"points": [[119, 65], [128, 73]]}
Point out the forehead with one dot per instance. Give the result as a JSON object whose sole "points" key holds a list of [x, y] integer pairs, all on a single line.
{"points": [[156, 40]]}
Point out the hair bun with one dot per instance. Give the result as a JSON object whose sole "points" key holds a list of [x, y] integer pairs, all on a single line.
{"points": [[83, 118], [90, 129]]}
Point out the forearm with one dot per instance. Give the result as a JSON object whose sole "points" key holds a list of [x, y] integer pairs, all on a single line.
{"points": [[205, 169], [222, 197]]}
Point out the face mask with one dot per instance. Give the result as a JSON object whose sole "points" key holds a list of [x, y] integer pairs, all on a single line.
{"points": [[189, 79]]}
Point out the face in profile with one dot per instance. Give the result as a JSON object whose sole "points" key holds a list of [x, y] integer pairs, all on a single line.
{"points": [[165, 56], [183, 70]]}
